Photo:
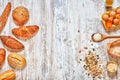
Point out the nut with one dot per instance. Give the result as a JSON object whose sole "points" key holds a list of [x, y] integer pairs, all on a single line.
{"points": [[16, 60], [8, 75], [2, 55]]}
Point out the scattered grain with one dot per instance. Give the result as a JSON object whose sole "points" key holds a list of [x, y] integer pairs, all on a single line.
{"points": [[92, 64], [80, 59], [93, 49]]}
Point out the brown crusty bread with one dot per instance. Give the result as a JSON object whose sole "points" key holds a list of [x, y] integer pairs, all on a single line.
{"points": [[16, 60], [4, 15], [25, 31], [2, 55], [20, 15], [11, 43]]}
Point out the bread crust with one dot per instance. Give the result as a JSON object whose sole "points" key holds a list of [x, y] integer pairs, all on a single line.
{"points": [[20, 15], [16, 60], [11, 43], [4, 16], [2, 55], [8, 75], [25, 32]]}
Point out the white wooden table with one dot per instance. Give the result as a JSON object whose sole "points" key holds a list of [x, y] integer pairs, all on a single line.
{"points": [[66, 27]]}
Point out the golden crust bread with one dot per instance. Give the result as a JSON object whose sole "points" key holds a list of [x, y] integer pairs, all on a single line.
{"points": [[4, 16], [25, 31], [20, 15], [11, 43], [2, 55], [8, 75], [111, 48], [16, 60]]}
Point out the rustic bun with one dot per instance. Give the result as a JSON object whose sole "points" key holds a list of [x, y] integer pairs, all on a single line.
{"points": [[20, 15], [16, 60], [25, 32], [11, 43]]}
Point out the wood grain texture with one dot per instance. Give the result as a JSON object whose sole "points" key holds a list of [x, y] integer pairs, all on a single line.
{"points": [[66, 27]]}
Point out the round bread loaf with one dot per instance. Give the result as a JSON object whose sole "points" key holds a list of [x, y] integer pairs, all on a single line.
{"points": [[16, 60], [20, 15]]}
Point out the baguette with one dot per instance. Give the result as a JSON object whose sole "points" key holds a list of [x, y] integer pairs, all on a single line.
{"points": [[4, 16]]}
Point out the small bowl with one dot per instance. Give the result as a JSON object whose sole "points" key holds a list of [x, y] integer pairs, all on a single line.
{"points": [[113, 48]]}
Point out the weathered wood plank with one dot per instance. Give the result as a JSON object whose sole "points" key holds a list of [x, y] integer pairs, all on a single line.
{"points": [[66, 27]]}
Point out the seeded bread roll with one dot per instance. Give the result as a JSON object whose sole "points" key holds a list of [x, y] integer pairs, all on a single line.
{"points": [[16, 60], [20, 15]]}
